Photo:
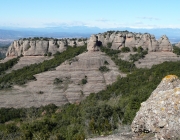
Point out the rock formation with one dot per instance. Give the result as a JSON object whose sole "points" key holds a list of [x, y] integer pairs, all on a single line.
{"points": [[178, 44], [117, 40], [160, 113], [93, 43], [164, 44], [129, 39], [41, 46]]}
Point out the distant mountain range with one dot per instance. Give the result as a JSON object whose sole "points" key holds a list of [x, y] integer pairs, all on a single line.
{"points": [[8, 34]]}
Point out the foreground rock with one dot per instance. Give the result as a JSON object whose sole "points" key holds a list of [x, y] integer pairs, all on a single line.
{"points": [[160, 113]]}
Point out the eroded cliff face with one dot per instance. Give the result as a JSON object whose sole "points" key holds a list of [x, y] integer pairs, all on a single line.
{"points": [[40, 47], [160, 113], [128, 39], [115, 40]]}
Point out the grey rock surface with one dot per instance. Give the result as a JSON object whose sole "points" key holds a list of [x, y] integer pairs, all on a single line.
{"points": [[160, 113], [147, 41], [154, 58], [119, 39], [40, 47], [164, 44], [92, 43]]}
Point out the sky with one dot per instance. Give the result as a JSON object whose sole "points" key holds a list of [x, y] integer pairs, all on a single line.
{"points": [[91, 13]]}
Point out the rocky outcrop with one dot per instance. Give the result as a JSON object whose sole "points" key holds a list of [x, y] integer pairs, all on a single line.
{"points": [[119, 41], [41, 46], [129, 39], [115, 40], [160, 113], [178, 44], [93, 43], [164, 44]]}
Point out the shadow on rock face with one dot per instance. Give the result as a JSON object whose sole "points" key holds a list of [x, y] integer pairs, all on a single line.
{"points": [[98, 43]]}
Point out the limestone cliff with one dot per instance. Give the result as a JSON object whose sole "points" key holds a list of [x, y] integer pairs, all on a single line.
{"points": [[115, 40], [121, 39], [41, 46], [160, 113]]}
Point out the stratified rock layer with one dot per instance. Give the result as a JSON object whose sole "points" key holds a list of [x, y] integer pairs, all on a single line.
{"points": [[44, 90], [160, 113]]}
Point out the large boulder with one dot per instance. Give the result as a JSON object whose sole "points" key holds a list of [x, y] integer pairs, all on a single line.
{"points": [[93, 43], [160, 113], [145, 41], [62, 45], [164, 44]]}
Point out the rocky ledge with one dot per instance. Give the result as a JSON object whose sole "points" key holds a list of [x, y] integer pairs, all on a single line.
{"points": [[160, 113]]}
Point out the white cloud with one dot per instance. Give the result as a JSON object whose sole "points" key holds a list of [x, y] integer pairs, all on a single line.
{"points": [[101, 23], [102, 20], [138, 23], [149, 18]]}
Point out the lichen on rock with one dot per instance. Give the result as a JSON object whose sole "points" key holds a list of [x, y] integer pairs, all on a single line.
{"points": [[160, 113]]}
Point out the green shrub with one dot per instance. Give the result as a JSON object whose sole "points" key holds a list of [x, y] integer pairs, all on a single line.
{"points": [[40, 92], [176, 50], [139, 49], [125, 49], [109, 45], [84, 81], [106, 62], [9, 64], [104, 69], [58, 80], [49, 54], [134, 49]]}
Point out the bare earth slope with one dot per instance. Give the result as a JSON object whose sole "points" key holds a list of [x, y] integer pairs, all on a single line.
{"points": [[28, 60], [154, 58], [70, 89]]}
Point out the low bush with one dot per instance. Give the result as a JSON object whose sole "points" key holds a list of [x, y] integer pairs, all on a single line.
{"points": [[125, 49], [104, 69]]}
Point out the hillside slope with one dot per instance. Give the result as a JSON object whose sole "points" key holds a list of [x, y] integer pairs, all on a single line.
{"points": [[44, 91]]}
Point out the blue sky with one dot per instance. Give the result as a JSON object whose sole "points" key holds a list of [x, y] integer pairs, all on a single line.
{"points": [[93, 13]]}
